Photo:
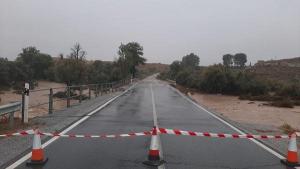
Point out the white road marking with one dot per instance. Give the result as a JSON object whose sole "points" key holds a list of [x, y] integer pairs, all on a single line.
{"points": [[27, 156], [231, 126], [153, 107], [156, 124]]}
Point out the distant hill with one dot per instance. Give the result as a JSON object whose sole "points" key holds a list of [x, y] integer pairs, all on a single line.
{"points": [[282, 70], [293, 62], [151, 68]]}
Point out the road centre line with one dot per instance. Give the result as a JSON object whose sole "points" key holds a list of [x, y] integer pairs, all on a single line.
{"points": [[156, 124]]}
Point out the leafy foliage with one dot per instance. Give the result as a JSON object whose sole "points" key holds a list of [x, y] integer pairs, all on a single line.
{"points": [[190, 60], [131, 56], [228, 60], [240, 59], [32, 65], [226, 80]]}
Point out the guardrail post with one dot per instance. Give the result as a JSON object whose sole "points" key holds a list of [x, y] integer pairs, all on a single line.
{"points": [[80, 94], [68, 96], [89, 92], [26, 102], [96, 90], [11, 119], [51, 101]]}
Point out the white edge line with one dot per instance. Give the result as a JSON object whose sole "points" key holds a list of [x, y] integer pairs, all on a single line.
{"points": [[231, 126], [27, 156]]}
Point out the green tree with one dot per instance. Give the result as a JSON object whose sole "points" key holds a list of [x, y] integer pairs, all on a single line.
{"points": [[73, 69], [240, 59], [4, 72], [71, 72], [131, 53], [174, 69], [190, 60], [227, 60], [37, 63], [99, 72]]}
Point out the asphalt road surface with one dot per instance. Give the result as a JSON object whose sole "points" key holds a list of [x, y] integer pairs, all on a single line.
{"points": [[133, 112]]}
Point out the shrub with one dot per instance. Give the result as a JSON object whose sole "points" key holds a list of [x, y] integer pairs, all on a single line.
{"points": [[297, 102], [287, 129], [290, 90], [63, 94], [283, 103], [163, 76], [183, 77], [218, 79]]}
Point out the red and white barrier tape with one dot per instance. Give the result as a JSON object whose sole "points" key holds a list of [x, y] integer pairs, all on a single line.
{"points": [[160, 130], [22, 133], [95, 136], [218, 135]]}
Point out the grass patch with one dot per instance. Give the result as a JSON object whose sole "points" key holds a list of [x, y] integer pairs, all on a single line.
{"points": [[287, 129]]}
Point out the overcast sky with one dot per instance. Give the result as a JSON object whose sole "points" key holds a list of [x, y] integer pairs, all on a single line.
{"points": [[167, 29]]}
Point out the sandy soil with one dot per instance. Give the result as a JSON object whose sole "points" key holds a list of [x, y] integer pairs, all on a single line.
{"points": [[248, 111], [35, 98]]}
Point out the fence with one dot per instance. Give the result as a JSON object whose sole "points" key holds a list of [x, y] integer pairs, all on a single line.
{"points": [[48, 100]]}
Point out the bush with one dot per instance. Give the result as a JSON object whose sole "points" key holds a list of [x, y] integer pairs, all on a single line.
{"points": [[226, 80], [63, 94], [283, 103], [183, 77], [163, 76], [218, 79], [290, 90], [297, 102], [287, 129]]}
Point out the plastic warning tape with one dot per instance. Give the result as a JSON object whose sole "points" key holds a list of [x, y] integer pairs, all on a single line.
{"points": [[219, 135], [21, 133], [95, 136]]}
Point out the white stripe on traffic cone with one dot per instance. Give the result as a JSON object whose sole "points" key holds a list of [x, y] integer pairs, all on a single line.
{"points": [[37, 155], [292, 155], [154, 153]]}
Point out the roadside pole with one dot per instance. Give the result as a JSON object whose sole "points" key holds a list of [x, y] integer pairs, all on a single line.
{"points": [[50, 111], [26, 102]]}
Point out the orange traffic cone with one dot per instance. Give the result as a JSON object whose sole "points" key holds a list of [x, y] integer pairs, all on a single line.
{"points": [[154, 158], [37, 157], [292, 155]]}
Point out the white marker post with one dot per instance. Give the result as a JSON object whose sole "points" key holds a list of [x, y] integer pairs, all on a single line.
{"points": [[26, 102]]}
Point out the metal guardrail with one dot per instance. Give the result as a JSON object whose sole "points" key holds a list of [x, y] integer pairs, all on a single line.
{"points": [[10, 109], [82, 92]]}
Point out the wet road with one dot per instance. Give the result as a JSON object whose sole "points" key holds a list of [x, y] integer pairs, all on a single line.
{"points": [[133, 112]]}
